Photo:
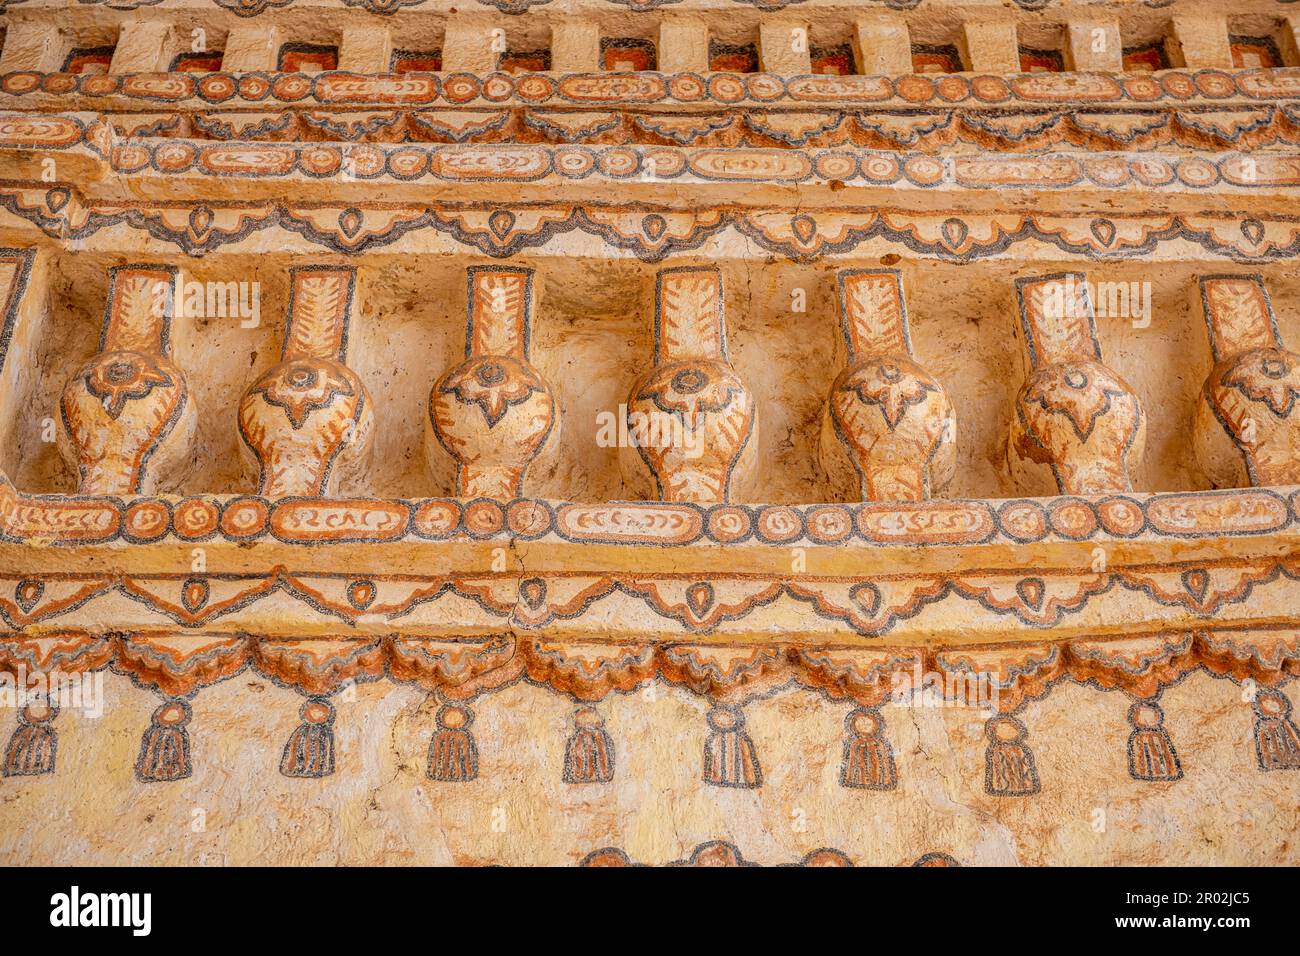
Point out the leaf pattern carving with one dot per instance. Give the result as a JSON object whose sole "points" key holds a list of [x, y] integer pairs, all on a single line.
{"points": [[319, 306]]}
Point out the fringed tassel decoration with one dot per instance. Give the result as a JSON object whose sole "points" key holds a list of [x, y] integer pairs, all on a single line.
{"points": [[309, 751], [868, 762], [730, 759], [1009, 769], [32, 747], [453, 757], [1151, 753], [589, 754], [1277, 741], [165, 749]]}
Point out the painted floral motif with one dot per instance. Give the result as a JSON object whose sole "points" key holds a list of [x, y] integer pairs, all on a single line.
{"points": [[891, 386], [1267, 376], [116, 378], [1081, 393], [692, 390], [303, 386], [493, 383]]}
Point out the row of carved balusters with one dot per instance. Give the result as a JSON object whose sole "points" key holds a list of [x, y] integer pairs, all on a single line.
{"points": [[691, 422]]}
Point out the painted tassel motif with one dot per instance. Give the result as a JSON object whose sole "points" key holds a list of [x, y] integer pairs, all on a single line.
{"points": [[1277, 741], [309, 751], [165, 749], [453, 757], [730, 759], [1009, 769], [32, 747], [589, 754], [868, 762], [1151, 753]]}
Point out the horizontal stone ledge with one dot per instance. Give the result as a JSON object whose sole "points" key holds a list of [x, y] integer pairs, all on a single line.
{"points": [[924, 131], [650, 231], [1191, 88], [1238, 518], [1141, 662], [182, 168]]}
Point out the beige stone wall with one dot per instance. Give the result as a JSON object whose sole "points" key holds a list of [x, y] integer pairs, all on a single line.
{"points": [[380, 808], [311, 656]]}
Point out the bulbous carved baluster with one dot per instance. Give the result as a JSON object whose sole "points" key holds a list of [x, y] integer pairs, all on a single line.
{"points": [[1248, 412], [127, 415], [309, 419], [690, 417], [889, 414], [1073, 413], [494, 413]]}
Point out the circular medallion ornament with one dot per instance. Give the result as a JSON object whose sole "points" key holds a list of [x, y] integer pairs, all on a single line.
{"points": [[408, 164], [779, 523], [914, 88], [1178, 85], [58, 83], [575, 162], [146, 520], [726, 87], [954, 89], [1023, 520], [1073, 519], [528, 519], [729, 523], [686, 87], [19, 83], [99, 85], [880, 168], [436, 519], [217, 87], [990, 89], [619, 162], [764, 86], [460, 87], [498, 87], [923, 170], [836, 165], [483, 518], [244, 517], [535, 88], [251, 87], [195, 518], [829, 524], [320, 160], [1198, 173], [1215, 85], [1121, 516], [173, 157], [1144, 89], [292, 86]]}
